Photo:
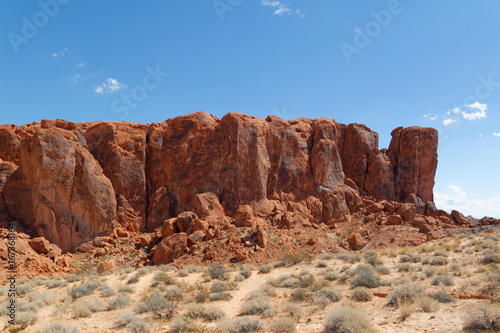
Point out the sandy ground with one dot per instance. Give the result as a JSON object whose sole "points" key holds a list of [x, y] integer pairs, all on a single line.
{"points": [[449, 316]]}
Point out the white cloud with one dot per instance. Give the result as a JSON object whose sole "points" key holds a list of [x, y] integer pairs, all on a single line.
{"points": [[60, 54], [81, 64], [476, 207], [449, 121], [280, 8], [430, 116], [109, 86], [475, 115], [76, 78], [456, 110], [497, 135]]}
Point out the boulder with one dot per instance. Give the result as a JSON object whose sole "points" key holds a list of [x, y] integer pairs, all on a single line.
{"points": [[460, 218], [407, 211], [170, 249], [394, 219], [356, 241], [374, 208], [40, 244]]}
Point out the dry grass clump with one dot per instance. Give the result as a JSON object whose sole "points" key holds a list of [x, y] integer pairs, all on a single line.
{"points": [[362, 294], [428, 304], [283, 325], [347, 320], [119, 302], [443, 297], [59, 328], [85, 308], [217, 271], [439, 261], [26, 318], [371, 257], [405, 293], [241, 325], [365, 276], [196, 310], [349, 257], [85, 289], [255, 306], [444, 280], [482, 318], [158, 305]]}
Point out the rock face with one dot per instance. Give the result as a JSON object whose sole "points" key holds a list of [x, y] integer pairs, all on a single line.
{"points": [[59, 191], [198, 174]]}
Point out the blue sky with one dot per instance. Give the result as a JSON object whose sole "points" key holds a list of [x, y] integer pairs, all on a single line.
{"points": [[381, 63]]}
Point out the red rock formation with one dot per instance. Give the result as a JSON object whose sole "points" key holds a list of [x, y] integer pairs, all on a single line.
{"points": [[196, 175]]}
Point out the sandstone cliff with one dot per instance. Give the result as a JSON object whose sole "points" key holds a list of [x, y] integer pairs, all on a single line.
{"points": [[71, 183]]}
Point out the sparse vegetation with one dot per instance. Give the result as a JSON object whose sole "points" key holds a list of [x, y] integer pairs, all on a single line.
{"points": [[347, 320]]}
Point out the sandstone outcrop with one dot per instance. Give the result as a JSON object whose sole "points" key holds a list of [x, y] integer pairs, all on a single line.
{"points": [[192, 178]]}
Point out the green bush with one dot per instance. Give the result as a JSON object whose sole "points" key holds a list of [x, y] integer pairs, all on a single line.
{"points": [[347, 320]]}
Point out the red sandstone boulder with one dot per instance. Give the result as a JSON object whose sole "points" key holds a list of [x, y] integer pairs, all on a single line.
{"points": [[170, 249], [356, 241], [40, 244], [460, 218], [394, 219], [407, 211]]}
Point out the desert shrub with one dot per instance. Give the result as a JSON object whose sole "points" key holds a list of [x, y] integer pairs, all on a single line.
{"points": [[410, 257], [183, 324], [163, 278], [306, 280], [25, 305], [443, 297], [255, 306], [300, 294], [133, 279], [239, 278], [85, 289], [246, 271], [195, 310], [365, 277], [445, 280], [291, 282], [213, 313], [291, 259], [85, 308], [174, 293], [405, 310], [279, 263], [124, 318], [218, 287], [158, 305], [73, 277], [405, 267], [183, 273], [270, 313], [322, 264], [428, 272], [371, 257], [491, 258], [350, 257], [264, 269], [217, 271], [241, 325], [23, 280], [331, 276], [384, 270], [283, 325], [55, 284], [24, 288], [138, 326], [42, 298], [362, 294], [440, 253], [119, 302], [405, 293], [482, 318], [330, 293], [26, 318], [202, 295], [59, 328], [347, 320], [292, 309], [124, 289], [219, 297], [439, 261], [107, 291], [428, 304]]}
